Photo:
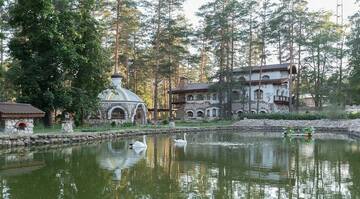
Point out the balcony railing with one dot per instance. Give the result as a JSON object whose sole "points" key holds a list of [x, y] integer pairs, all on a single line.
{"points": [[281, 100], [179, 100]]}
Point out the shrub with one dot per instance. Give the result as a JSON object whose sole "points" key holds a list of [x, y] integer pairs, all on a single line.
{"points": [[165, 122], [113, 124], [127, 124]]}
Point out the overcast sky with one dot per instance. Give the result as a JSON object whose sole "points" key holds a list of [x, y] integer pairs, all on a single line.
{"points": [[191, 6]]}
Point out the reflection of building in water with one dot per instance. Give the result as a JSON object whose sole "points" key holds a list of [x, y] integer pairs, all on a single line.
{"points": [[19, 163], [116, 160]]}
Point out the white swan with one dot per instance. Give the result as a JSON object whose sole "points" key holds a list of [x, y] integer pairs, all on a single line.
{"points": [[181, 141], [139, 145]]}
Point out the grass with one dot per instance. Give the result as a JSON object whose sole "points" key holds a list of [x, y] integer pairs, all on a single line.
{"points": [[39, 129]]}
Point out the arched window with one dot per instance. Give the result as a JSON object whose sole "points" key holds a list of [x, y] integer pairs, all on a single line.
{"points": [[200, 97], [214, 112], [277, 92], [118, 114], [282, 93], [200, 114], [265, 77], [190, 114], [240, 113], [235, 95], [190, 98], [208, 97], [259, 94], [262, 112], [208, 113], [242, 79]]}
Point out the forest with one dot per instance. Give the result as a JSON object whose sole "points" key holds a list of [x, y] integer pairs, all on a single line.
{"points": [[60, 54]]}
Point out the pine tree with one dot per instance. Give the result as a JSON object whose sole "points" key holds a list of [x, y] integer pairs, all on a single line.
{"points": [[354, 58]]}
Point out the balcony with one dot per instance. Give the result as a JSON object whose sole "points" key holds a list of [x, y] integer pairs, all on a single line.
{"points": [[281, 100], [178, 100]]}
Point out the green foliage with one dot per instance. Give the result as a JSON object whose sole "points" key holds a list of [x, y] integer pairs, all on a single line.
{"points": [[165, 122], [354, 50], [59, 60]]}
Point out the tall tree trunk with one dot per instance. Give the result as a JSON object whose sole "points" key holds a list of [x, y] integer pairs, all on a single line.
{"points": [[250, 59], [157, 65], [298, 76], [117, 37]]}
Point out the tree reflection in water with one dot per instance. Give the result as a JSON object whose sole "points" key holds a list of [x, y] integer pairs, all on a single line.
{"points": [[222, 165]]}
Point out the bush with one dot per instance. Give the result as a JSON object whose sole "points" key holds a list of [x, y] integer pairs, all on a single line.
{"points": [[354, 115], [127, 124], [113, 124], [165, 122]]}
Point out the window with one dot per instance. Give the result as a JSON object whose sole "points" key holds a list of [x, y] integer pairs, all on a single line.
{"points": [[277, 92], [262, 112], [239, 113], [200, 97], [190, 114], [214, 112], [200, 114], [259, 94], [208, 97], [214, 96], [235, 95], [265, 77], [190, 98], [282, 93], [118, 114], [2, 125], [242, 79], [208, 113]]}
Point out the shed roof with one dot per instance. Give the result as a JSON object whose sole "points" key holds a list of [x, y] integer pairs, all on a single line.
{"points": [[17, 110]]}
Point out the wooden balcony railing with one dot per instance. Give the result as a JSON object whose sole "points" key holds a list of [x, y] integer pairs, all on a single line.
{"points": [[281, 100]]}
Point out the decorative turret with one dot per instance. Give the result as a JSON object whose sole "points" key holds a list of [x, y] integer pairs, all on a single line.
{"points": [[117, 80]]}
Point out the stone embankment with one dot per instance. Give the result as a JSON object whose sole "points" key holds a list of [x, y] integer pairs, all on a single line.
{"points": [[346, 127], [15, 140], [322, 125]]}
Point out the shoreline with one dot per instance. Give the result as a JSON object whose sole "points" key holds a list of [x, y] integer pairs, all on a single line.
{"points": [[31, 140]]}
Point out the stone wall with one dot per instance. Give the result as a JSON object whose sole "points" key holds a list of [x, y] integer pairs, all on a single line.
{"points": [[76, 138], [12, 128], [352, 125]]}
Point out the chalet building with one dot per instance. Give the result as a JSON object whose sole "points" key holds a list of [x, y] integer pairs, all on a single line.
{"points": [[199, 101], [18, 118]]}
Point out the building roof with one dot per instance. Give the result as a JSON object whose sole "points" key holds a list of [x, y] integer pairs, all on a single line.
{"points": [[118, 93], [192, 87], [17, 110], [267, 68]]}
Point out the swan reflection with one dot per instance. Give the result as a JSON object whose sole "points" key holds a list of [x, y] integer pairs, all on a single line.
{"points": [[116, 160]]}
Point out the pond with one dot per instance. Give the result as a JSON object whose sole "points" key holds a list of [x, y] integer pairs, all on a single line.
{"points": [[211, 165]]}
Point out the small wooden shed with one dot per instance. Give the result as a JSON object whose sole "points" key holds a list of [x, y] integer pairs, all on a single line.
{"points": [[18, 118]]}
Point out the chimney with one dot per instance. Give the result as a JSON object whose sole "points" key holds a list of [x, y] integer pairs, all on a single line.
{"points": [[183, 82]]}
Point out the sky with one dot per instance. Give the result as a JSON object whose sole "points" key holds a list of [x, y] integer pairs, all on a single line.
{"points": [[191, 6]]}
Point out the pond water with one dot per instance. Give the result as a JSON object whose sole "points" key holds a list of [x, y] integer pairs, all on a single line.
{"points": [[211, 165]]}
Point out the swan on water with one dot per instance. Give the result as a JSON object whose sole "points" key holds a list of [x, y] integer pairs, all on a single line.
{"points": [[181, 141], [138, 144]]}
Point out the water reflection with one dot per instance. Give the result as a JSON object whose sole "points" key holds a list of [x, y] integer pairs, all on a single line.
{"points": [[118, 159], [221, 165]]}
